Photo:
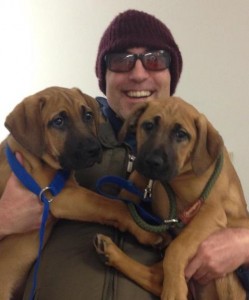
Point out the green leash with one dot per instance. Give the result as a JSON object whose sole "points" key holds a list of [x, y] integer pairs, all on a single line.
{"points": [[172, 220]]}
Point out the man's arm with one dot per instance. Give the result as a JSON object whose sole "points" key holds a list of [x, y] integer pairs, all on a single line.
{"points": [[221, 253], [20, 210]]}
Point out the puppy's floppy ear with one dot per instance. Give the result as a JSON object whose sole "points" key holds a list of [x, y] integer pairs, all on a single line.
{"points": [[25, 124], [91, 102], [208, 145], [130, 123]]}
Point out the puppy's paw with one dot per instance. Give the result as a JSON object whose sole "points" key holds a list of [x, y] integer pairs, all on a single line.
{"points": [[100, 246], [108, 251]]}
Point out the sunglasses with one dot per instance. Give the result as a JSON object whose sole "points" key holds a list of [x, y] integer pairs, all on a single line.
{"points": [[124, 62]]}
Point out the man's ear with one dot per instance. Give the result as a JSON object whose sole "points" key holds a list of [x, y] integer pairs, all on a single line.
{"points": [[25, 124], [208, 145], [130, 123]]}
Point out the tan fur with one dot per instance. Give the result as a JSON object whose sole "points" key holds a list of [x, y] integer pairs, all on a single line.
{"points": [[190, 163], [33, 134]]}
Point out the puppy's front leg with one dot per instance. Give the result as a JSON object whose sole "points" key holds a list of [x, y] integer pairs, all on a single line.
{"points": [[183, 248], [77, 203], [148, 277]]}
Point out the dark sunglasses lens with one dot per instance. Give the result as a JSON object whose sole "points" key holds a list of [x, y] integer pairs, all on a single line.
{"points": [[156, 61], [118, 62]]}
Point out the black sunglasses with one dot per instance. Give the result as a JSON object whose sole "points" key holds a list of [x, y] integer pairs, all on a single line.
{"points": [[124, 62]]}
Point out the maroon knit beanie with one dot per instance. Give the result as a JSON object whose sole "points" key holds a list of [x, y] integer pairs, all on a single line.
{"points": [[134, 28]]}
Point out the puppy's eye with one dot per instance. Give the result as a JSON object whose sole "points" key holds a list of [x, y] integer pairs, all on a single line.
{"points": [[181, 135], [148, 126], [88, 116], [58, 122]]}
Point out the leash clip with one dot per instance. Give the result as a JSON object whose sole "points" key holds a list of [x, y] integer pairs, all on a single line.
{"points": [[47, 188], [174, 221], [130, 163], [148, 190]]}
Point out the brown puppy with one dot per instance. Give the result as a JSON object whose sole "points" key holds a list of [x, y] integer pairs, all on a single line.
{"points": [[54, 129], [178, 145]]}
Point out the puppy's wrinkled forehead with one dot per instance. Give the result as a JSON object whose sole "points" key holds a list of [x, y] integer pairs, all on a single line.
{"points": [[171, 111], [55, 101]]}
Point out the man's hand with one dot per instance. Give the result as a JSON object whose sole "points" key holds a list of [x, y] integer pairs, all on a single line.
{"points": [[221, 253], [20, 210]]}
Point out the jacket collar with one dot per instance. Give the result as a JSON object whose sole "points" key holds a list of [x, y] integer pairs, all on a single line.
{"points": [[108, 133]]}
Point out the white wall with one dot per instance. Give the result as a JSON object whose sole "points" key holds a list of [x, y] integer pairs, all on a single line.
{"points": [[54, 42]]}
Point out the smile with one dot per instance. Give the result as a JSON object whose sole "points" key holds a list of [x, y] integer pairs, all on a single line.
{"points": [[139, 94]]}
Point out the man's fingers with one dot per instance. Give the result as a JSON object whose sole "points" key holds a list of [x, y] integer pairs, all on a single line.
{"points": [[192, 267], [199, 271], [19, 157], [196, 271]]}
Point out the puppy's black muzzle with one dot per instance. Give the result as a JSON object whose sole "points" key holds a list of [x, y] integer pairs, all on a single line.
{"points": [[156, 164], [152, 165], [82, 154]]}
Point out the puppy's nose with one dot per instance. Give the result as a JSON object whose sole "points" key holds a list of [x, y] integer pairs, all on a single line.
{"points": [[154, 162]]}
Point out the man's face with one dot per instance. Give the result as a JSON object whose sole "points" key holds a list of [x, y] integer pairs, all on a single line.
{"points": [[124, 90]]}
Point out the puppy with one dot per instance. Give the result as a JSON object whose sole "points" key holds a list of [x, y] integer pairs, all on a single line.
{"points": [[56, 129], [177, 146]]}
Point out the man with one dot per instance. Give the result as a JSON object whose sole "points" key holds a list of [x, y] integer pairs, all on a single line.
{"points": [[138, 60]]}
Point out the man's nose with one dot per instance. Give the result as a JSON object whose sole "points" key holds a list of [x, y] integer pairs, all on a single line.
{"points": [[139, 73]]}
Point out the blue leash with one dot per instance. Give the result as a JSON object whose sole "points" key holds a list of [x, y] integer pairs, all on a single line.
{"points": [[130, 187], [55, 187]]}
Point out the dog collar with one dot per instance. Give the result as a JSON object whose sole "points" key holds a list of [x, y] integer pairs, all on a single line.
{"points": [[28, 181], [187, 215]]}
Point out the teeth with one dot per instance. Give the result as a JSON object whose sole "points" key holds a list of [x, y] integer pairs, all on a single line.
{"points": [[139, 94]]}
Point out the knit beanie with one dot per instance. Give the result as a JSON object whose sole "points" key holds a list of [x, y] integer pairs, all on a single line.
{"points": [[132, 29]]}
